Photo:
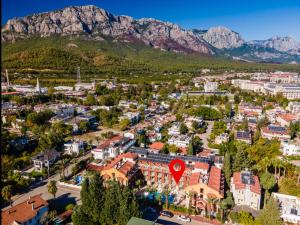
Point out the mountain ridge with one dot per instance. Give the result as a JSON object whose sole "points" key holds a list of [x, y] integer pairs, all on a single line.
{"points": [[97, 24]]}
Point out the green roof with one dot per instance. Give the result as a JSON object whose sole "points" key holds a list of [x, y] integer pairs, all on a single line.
{"points": [[139, 221]]}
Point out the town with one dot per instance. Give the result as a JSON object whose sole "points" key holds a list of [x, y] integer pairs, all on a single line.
{"points": [[102, 147]]}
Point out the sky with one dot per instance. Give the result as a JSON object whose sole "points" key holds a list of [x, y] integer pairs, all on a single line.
{"points": [[253, 19]]}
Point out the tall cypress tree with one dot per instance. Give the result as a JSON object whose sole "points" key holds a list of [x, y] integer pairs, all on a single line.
{"points": [[241, 161], [227, 168]]}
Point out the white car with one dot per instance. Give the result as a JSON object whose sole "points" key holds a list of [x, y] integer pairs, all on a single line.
{"points": [[184, 218]]}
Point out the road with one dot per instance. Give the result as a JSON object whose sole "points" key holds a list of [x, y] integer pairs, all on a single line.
{"points": [[206, 135], [63, 195], [174, 221]]}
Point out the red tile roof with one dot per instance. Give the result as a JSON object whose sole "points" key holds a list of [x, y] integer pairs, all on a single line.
{"points": [[24, 211], [194, 178], [126, 167], [105, 144], [157, 145], [201, 165], [94, 167], [237, 181], [216, 180]]}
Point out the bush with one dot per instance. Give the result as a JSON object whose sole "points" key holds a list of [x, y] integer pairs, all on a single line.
{"points": [[70, 206]]}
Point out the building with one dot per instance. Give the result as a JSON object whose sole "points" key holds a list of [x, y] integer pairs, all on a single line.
{"points": [[112, 147], [221, 138], [246, 190], [276, 132], [28, 212], [289, 207], [290, 148], [123, 169], [180, 141], [73, 147], [294, 107], [284, 77], [189, 121], [289, 91], [174, 129], [244, 136], [210, 86], [248, 85], [286, 119], [44, 159], [156, 147], [133, 117]]}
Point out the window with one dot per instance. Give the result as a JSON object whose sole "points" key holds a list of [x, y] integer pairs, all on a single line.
{"points": [[201, 190]]}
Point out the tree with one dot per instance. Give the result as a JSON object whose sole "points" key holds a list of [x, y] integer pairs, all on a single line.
{"points": [[241, 161], [90, 100], [183, 129], [52, 188], [83, 126], [191, 150], [270, 214], [124, 124], [173, 149], [227, 168], [166, 192], [6, 193], [267, 181]]}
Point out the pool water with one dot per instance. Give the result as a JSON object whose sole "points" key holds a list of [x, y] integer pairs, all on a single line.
{"points": [[153, 196]]}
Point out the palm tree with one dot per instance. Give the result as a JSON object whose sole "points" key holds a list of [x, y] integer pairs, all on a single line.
{"points": [[6, 193], [52, 188], [191, 195], [211, 203], [62, 166], [275, 163], [166, 192]]}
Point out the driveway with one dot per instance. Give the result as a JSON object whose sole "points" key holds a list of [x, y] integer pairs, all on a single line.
{"points": [[63, 195]]}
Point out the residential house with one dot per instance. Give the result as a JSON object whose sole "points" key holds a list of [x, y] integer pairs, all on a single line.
{"points": [[246, 190], [275, 131], [244, 136], [73, 147], [112, 147], [180, 141], [290, 148], [45, 159], [28, 212], [174, 129], [289, 207]]}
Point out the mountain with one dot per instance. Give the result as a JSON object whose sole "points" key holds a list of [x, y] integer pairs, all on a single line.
{"points": [[283, 44], [222, 37], [97, 24], [93, 23]]}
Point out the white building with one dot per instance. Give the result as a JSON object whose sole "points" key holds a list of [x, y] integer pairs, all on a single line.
{"points": [[133, 117], [290, 91], [73, 147], [180, 141], [290, 148], [294, 107], [210, 86], [289, 207], [112, 147], [193, 119], [284, 77], [246, 190], [174, 129]]}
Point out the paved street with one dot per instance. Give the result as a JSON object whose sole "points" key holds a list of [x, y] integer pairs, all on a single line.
{"points": [[63, 195], [174, 221], [206, 135]]}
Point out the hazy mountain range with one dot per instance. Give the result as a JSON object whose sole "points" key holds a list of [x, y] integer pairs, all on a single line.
{"points": [[95, 23]]}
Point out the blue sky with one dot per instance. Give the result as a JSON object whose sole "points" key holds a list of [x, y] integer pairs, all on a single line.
{"points": [[253, 19]]}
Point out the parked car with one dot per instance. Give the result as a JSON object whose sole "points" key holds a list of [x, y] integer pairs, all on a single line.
{"points": [[184, 218], [166, 213]]}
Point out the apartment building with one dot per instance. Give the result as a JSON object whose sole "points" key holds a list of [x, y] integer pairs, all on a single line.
{"points": [[246, 190]]}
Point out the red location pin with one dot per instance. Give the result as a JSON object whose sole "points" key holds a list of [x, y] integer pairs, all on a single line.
{"points": [[177, 167]]}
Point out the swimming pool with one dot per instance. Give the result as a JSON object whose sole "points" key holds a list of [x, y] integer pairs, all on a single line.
{"points": [[152, 196]]}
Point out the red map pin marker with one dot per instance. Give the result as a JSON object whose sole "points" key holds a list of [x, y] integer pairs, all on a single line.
{"points": [[177, 167]]}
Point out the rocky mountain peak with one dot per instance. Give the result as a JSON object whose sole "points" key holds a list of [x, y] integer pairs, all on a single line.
{"points": [[222, 37]]}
